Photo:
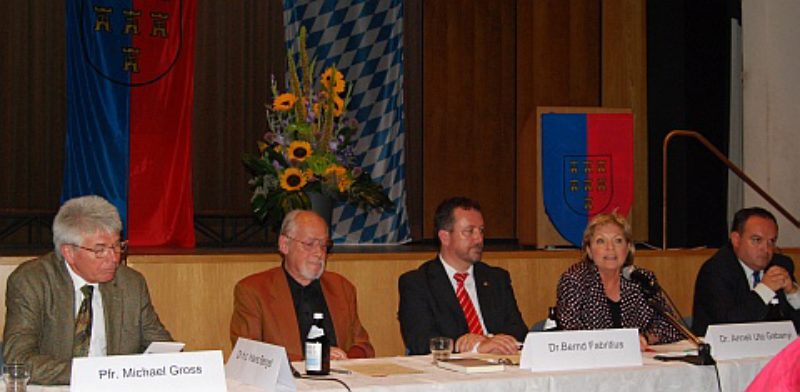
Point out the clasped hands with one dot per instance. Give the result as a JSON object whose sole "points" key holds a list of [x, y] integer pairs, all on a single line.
{"points": [[777, 278], [495, 344]]}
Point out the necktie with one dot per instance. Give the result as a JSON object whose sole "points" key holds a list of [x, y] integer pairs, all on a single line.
{"points": [[471, 315], [83, 324], [756, 278]]}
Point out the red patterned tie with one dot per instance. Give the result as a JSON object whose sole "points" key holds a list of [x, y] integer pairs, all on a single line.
{"points": [[473, 321]]}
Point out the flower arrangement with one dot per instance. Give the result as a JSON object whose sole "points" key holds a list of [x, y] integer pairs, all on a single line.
{"points": [[308, 146]]}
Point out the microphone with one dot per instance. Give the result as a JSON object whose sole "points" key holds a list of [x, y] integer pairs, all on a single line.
{"points": [[648, 283], [651, 288]]}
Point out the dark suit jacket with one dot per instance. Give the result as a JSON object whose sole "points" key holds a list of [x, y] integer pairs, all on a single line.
{"points": [[263, 310], [40, 317], [429, 308], [722, 293]]}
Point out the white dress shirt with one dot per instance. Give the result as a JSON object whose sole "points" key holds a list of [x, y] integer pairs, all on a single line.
{"points": [[97, 345], [766, 293], [469, 285]]}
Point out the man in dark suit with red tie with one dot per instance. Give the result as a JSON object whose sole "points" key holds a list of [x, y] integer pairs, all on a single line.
{"points": [[457, 295], [746, 281]]}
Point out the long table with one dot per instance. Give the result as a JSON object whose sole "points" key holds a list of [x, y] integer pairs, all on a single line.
{"points": [[654, 376]]}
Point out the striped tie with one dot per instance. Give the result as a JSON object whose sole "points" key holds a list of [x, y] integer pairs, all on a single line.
{"points": [[83, 324], [466, 305]]}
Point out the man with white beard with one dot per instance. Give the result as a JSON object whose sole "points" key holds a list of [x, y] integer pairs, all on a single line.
{"points": [[276, 306]]}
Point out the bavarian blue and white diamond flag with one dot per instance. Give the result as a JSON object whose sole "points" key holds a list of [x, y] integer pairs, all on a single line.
{"points": [[364, 39]]}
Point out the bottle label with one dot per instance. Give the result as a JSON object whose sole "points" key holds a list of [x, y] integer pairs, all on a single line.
{"points": [[313, 356], [315, 332]]}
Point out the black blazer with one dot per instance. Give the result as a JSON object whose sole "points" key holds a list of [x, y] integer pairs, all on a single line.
{"points": [[429, 308], [722, 294]]}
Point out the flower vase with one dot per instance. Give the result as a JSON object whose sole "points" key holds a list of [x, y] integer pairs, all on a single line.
{"points": [[322, 205]]}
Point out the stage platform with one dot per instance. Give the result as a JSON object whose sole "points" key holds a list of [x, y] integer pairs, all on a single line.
{"points": [[192, 290]]}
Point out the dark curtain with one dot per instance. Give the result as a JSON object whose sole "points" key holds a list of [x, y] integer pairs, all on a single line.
{"points": [[688, 88]]}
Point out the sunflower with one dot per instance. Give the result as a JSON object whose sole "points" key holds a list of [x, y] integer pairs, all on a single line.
{"points": [[335, 170], [292, 179], [344, 183], [284, 102], [338, 175], [299, 150], [338, 106], [337, 78]]}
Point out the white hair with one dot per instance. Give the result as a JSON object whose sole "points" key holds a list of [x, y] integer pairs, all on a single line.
{"points": [[82, 216]]}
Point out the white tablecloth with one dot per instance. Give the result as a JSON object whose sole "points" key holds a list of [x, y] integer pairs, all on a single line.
{"points": [[653, 376]]}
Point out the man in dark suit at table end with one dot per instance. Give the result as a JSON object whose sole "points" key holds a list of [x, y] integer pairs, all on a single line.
{"points": [[456, 294], [746, 281]]}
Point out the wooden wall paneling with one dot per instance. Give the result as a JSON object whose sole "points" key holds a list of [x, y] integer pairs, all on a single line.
{"points": [[239, 47], [32, 103], [468, 113], [412, 101], [526, 126], [624, 70], [556, 66], [193, 294], [184, 287]]}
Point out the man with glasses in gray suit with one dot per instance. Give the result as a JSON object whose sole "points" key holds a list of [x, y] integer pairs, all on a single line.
{"points": [[78, 300]]}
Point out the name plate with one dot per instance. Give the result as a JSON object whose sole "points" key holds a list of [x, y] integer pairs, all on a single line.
{"points": [[260, 364], [747, 340], [568, 350], [192, 371]]}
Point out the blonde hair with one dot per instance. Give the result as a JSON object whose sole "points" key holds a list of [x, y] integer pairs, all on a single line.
{"points": [[604, 219]]}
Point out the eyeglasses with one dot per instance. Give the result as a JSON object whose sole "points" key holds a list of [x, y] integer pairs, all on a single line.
{"points": [[312, 245], [101, 251]]}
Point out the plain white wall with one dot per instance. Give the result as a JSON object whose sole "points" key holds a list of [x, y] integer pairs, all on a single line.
{"points": [[771, 48]]}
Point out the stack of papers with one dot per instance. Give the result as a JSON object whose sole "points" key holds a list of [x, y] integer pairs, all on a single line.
{"points": [[471, 365]]}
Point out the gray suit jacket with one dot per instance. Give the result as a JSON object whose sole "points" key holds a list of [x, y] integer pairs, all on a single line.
{"points": [[40, 317]]}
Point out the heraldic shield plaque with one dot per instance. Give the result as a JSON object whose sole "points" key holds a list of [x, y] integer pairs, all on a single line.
{"points": [[587, 168]]}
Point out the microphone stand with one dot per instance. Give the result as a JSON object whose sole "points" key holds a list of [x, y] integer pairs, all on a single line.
{"points": [[703, 356]]}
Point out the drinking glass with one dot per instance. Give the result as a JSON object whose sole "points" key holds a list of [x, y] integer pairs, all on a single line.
{"points": [[16, 376], [441, 347]]}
